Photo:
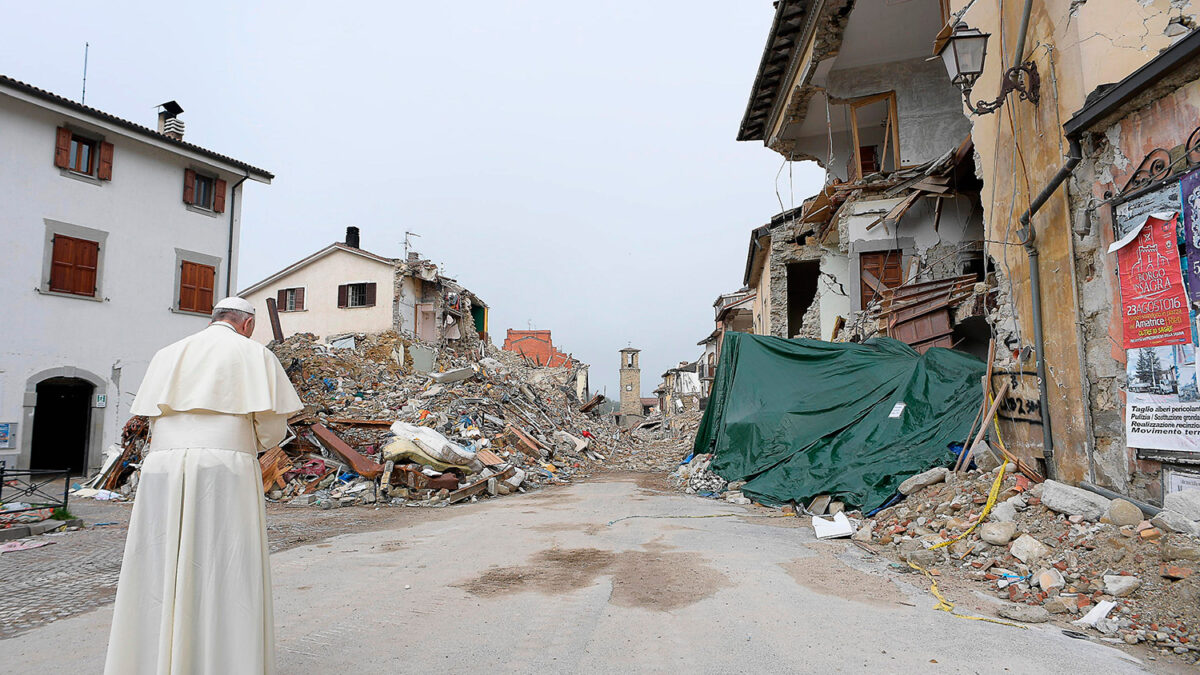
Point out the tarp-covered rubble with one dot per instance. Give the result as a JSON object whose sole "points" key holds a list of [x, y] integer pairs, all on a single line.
{"points": [[798, 418]]}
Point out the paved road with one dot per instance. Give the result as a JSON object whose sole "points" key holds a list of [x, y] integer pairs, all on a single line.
{"points": [[543, 583]]}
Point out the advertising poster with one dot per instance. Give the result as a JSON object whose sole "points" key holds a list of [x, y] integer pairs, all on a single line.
{"points": [[1154, 300], [1190, 189]]}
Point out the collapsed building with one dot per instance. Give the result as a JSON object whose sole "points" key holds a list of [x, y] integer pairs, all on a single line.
{"points": [[900, 205], [344, 289]]}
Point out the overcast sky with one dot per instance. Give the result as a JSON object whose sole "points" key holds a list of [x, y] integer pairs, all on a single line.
{"points": [[574, 164]]}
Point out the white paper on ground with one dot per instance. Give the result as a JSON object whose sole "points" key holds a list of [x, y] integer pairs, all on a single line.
{"points": [[831, 529], [1098, 612]]}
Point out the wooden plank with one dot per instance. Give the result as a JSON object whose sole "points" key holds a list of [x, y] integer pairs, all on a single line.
{"points": [[478, 486], [488, 458], [354, 421], [273, 464], [359, 464], [273, 313]]}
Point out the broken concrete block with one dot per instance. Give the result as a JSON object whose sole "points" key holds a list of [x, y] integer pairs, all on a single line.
{"points": [[1004, 512], [836, 507], [819, 504], [1120, 586], [921, 480], [1073, 501], [1173, 521], [1028, 550], [984, 457], [1049, 579], [1185, 502], [1025, 613], [998, 534], [1123, 512], [303, 500]]}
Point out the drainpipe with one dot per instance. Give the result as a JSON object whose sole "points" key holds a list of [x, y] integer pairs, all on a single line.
{"points": [[229, 252], [1028, 239]]}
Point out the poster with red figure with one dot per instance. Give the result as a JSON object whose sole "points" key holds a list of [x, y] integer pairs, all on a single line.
{"points": [[1154, 300]]}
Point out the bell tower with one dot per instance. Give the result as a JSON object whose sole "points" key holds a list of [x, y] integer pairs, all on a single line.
{"points": [[631, 387]]}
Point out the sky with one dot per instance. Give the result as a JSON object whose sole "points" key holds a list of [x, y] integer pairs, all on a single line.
{"points": [[573, 164]]}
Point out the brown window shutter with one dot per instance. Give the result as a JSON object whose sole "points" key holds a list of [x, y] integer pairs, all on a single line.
{"points": [[62, 148], [343, 295], [281, 299], [299, 299], [370, 295], [189, 186], [187, 286], [62, 264], [205, 286], [106, 157], [219, 196], [87, 255]]}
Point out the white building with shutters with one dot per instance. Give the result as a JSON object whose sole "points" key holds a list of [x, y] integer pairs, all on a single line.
{"points": [[118, 239], [343, 288]]}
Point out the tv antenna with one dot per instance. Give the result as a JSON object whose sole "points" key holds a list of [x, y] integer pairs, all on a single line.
{"points": [[407, 243], [83, 96]]}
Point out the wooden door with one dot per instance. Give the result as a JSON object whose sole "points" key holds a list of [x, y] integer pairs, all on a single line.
{"points": [[879, 270]]}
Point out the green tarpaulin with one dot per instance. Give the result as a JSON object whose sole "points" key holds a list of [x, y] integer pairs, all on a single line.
{"points": [[799, 418]]}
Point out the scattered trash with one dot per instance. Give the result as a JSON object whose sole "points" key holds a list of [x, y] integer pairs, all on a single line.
{"points": [[831, 529], [23, 545]]}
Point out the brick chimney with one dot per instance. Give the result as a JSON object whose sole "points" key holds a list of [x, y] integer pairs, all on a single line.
{"points": [[169, 123], [352, 237]]}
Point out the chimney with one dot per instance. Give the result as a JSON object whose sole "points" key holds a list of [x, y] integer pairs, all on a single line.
{"points": [[352, 237], [169, 123], [413, 256]]}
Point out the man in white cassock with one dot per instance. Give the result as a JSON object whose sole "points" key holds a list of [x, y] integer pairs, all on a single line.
{"points": [[194, 596]]}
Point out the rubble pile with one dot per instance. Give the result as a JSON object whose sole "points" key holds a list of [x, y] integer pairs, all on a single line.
{"points": [[1056, 551]]}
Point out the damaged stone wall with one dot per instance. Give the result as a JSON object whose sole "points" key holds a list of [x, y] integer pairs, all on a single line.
{"points": [[785, 249]]}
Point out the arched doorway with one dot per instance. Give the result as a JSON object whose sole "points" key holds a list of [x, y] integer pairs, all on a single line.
{"points": [[61, 425]]}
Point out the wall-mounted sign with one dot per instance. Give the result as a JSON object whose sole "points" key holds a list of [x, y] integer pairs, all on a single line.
{"points": [[8, 435], [101, 400], [1153, 297], [1175, 479]]}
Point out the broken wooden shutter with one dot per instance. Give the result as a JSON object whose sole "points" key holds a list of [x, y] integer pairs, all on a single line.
{"points": [[62, 264], [87, 255], [189, 186], [281, 300], [370, 295], [299, 299], [62, 148], [206, 281], [343, 295], [106, 159], [219, 196]]}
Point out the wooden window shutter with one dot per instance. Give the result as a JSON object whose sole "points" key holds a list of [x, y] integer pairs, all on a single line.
{"points": [[87, 256], [205, 287], [189, 187], [106, 159], [343, 295], [62, 264], [370, 295], [187, 286], [281, 300], [219, 196], [299, 299], [62, 148]]}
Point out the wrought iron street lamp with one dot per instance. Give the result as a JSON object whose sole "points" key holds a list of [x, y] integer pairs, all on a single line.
{"points": [[964, 52]]}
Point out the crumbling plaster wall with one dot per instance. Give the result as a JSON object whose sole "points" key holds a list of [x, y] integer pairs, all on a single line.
{"points": [[929, 108], [1076, 46], [1161, 118], [786, 250]]}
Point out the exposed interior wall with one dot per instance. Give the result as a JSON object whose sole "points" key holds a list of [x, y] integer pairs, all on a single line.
{"points": [[1076, 47]]}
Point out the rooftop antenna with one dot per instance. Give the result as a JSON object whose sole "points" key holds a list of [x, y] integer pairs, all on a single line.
{"points": [[407, 243], [529, 323], [83, 96]]}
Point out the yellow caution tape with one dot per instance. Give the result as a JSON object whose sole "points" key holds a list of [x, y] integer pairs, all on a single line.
{"points": [[948, 607], [991, 501]]}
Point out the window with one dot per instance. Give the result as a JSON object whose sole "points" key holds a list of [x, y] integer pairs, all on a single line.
{"points": [[83, 155], [73, 265], [196, 283], [876, 135], [290, 300], [356, 295], [204, 192], [880, 271]]}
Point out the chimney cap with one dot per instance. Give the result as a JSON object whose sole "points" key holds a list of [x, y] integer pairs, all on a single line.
{"points": [[352, 238], [171, 108]]}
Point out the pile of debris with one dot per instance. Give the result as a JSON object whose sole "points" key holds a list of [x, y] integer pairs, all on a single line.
{"points": [[389, 420], [1053, 550]]}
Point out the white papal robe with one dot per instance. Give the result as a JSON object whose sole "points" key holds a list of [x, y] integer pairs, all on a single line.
{"points": [[194, 597]]}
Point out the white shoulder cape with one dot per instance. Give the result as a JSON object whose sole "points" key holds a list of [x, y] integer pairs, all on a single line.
{"points": [[216, 370]]}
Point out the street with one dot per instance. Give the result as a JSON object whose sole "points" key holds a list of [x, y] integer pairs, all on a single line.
{"points": [[563, 580]]}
